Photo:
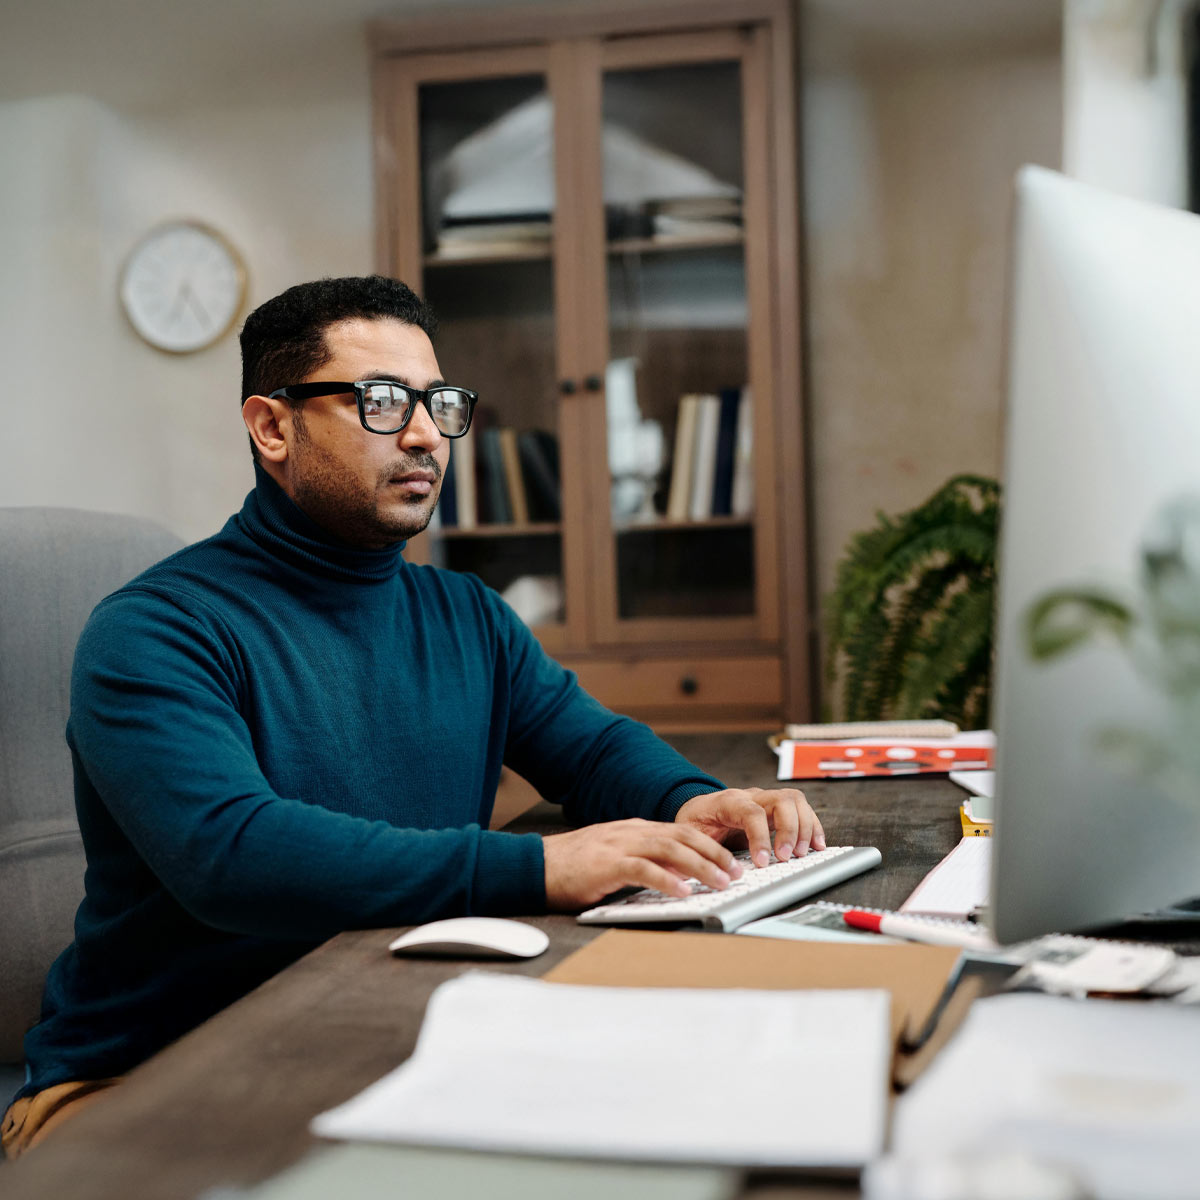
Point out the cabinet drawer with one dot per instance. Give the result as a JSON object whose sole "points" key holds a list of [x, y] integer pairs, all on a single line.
{"points": [[705, 687]]}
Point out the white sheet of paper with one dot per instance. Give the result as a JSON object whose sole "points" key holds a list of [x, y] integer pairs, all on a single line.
{"points": [[981, 783], [653, 1074], [958, 884], [1109, 1089]]}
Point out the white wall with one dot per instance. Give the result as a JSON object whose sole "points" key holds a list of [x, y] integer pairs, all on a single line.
{"points": [[91, 416], [908, 168]]}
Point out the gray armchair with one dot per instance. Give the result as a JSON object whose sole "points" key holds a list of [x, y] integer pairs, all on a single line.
{"points": [[55, 565]]}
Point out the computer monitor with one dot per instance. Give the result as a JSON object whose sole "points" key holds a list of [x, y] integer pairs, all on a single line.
{"points": [[1103, 430]]}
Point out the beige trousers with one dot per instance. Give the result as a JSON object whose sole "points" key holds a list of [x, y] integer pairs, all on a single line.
{"points": [[32, 1118]]}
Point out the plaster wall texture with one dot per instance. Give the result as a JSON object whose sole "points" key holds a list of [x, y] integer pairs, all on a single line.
{"points": [[908, 172], [92, 416]]}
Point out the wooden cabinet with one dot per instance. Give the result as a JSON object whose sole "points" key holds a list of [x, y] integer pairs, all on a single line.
{"points": [[599, 202]]}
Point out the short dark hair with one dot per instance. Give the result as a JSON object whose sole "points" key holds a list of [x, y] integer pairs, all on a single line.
{"points": [[283, 340]]}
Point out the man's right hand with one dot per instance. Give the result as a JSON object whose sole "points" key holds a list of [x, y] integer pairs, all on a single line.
{"points": [[585, 865]]}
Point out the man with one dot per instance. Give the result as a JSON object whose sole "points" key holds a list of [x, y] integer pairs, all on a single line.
{"points": [[287, 730]]}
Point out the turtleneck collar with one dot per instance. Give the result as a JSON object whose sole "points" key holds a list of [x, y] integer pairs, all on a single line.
{"points": [[272, 519]]}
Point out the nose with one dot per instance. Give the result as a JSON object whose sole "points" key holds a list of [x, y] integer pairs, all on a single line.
{"points": [[420, 433]]}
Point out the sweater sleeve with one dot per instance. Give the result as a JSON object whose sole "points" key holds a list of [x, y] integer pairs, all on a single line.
{"points": [[168, 775], [598, 765]]}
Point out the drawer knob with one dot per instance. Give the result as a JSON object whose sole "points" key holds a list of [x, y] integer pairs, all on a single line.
{"points": [[689, 685]]}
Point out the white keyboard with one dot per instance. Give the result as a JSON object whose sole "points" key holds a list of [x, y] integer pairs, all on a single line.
{"points": [[760, 891]]}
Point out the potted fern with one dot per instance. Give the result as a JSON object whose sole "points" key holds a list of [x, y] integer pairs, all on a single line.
{"points": [[910, 619]]}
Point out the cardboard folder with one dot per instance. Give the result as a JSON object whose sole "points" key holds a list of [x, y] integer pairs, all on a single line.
{"points": [[916, 976]]}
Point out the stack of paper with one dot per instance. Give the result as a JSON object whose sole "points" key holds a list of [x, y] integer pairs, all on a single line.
{"points": [[958, 885], [509, 1063]]}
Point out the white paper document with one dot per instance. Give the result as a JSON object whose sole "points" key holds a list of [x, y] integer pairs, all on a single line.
{"points": [[753, 1078], [958, 884], [979, 783], [1108, 1089]]}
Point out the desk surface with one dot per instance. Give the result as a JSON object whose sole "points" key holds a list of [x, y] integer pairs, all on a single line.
{"points": [[230, 1103]]}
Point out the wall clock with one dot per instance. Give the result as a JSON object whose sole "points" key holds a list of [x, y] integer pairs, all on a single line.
{"points": [[183, 286]]}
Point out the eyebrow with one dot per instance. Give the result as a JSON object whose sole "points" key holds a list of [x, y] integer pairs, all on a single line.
{"points": [[387, 377]]}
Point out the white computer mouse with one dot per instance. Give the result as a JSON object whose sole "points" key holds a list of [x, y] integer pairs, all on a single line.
{"points": [[473, 937]]}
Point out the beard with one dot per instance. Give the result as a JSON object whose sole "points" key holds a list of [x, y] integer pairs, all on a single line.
{"points": [[348, 506]]}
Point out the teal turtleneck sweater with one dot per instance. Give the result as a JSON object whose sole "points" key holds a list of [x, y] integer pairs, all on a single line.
{"points": [[276, 737]]}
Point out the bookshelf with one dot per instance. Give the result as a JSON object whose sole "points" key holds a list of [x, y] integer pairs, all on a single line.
{"points": [[491, 530], [599, 202], [434, 261], [655, 245]]}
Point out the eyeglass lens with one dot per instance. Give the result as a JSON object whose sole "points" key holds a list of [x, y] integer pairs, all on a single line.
{"points": [[386, 408]]}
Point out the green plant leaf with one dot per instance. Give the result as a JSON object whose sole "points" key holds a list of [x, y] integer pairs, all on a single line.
{"points": [[942, 657], [894, 603]]}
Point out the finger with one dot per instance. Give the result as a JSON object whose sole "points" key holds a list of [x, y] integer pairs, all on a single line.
{"points": [[671, 852], [784, 811], [704, 858], [818, 837], [811, 833], [750, 817], [641, 872], [709, 847]]}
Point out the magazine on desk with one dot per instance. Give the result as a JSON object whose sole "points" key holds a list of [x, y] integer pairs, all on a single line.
{"points": [[857, 758]]}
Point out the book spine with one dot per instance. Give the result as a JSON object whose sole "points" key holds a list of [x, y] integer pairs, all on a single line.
{"points": [[722, 495], [680, 493], [463, 450], [493, 482], [512, 476], [708, 415], [541, 479], [447, 507], [742, 502]]}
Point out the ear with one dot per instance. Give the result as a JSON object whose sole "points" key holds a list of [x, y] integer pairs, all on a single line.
{"points": [[267, 421]]}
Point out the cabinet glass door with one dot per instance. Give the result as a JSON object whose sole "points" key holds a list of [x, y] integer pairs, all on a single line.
{"points": [[487, 175], [680, 380]]}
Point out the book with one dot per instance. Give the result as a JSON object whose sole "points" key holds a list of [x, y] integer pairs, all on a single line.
{"points": [[447, 507], [493, 486], [722, 491], [742, 500], [539, 468], [680, 492], [708, 415], [877, 729], [462, 454], [482, 238], [840, 731], [512, 476]]}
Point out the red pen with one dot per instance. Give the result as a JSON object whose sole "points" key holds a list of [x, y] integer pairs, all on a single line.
{"points": [[930, 930]]}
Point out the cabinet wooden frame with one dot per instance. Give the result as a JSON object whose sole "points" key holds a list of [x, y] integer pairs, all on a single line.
{"points": [[571, 48]]}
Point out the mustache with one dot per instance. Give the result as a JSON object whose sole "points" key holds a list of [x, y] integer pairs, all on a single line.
{"points": [[421, 461]]}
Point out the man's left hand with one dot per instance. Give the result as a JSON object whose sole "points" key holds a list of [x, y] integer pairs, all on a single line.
{"points": [[755, 812]]}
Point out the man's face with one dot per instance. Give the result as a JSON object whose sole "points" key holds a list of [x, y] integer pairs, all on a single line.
{"points": [[367, 489]]}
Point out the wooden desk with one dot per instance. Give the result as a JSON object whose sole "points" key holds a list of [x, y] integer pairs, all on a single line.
{"points": [[230, 1102]]}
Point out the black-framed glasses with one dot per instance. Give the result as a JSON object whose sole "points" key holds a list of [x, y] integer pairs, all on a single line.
{"points": [[387, 407]]}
